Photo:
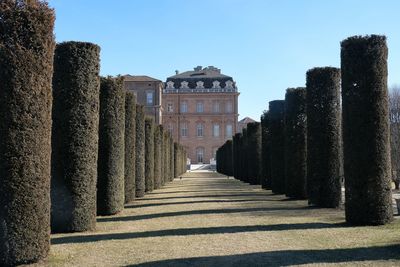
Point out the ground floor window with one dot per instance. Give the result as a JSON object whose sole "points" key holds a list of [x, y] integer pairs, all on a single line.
{"points": [[200, 154]]}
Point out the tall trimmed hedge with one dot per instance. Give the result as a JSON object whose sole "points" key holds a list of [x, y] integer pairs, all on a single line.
{"points": [[244, 157], [225, 158], [366, 130], [130, 146], [276, 118], [165, 157], [140, 151], [76, 92], [111, 161], [236, 155], [254, 152], [26, 66], [157, 157], [295, 143], [176, 160], [149, 154], [323, 137], [265, 152], [171, 159]]}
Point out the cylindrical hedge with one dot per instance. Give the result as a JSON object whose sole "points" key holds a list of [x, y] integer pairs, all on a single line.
{"points": [[265, 153], [149, 154], [111, 161], [254, 152], [236, 155], [140, 152], [323, 137], [26, 66], [171, 159], [295, 143], [276, 118], [244, 157], [165, 157], [130, 146], [157, 157], [366, 130], [75, 136]]}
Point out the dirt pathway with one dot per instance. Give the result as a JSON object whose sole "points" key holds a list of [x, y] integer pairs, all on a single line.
{"points": [[208, 220]]}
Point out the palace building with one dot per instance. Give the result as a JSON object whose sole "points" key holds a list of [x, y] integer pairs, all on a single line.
{"points": [[200, 109]]}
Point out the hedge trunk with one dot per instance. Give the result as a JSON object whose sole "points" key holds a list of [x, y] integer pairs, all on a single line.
{"points": [[323, 137], [26, 67], [111, 161], [130, 146], [295, 143], [149, 154], [76, 90], [366, 130], [276, 117], [157, 157], [140, 151]]}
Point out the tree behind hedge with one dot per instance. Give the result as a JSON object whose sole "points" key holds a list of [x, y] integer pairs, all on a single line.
{"points": [[140, 152], [157, 157], [26, 66], [75, 136], [323, 137], [366, 130], [149, 154], [265, 153], [276, 117], [130, 146], [254, 152], [111, 161], [295, 143]]}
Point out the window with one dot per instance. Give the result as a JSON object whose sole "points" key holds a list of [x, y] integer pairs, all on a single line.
{"points": [[199, 107], [170, 107], [184, 129], [216, 107], [228, 130], [200, 130], [216, 130], [149, 98], [170, 127], [184, 107], [229, 107], [200, 154]]}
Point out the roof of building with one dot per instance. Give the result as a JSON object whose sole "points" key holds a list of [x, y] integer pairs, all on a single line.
{"points": [[139, 78], [208, 75], [246, 120]]}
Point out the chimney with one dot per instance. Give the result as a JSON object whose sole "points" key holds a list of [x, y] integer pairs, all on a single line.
{"points": [[198, 68], [176, 72]]}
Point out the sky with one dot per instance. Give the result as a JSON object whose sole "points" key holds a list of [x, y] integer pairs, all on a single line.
{"points": [[267, 46]]}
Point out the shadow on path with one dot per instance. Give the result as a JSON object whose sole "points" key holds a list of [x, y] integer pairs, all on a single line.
{"points": [[193, 231], [254, 195], [288, 257], [197, 212]]}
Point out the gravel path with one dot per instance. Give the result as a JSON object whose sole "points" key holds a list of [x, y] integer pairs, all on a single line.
{"points": [[206, 219]]}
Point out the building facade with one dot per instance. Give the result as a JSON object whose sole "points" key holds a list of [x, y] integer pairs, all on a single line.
{"points": [[148, 93], [200, 110], [243, 123]]}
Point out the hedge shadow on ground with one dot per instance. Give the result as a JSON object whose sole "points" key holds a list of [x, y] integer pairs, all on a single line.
{"points": [[197, 212], [288, 257], [194, 231]]}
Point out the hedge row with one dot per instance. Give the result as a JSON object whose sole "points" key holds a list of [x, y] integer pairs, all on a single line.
{"points": [[303, 153]]}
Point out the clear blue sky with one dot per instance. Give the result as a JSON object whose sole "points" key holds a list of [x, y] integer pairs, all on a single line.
{"points": [[267, 46]]}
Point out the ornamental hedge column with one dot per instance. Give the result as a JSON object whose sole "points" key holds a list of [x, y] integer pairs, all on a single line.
{"points": [[265, 153], [130, 146], [236, 156], [165, 157], [171, 159], [254, 152], [157, 157], [76, 90], [176, 159], [323, 137], [26, 67], [149, 154], [140, 152], [110, 182], [366, 130], [244, 158], [295, 143], [276, 118]]}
